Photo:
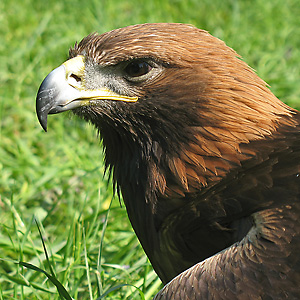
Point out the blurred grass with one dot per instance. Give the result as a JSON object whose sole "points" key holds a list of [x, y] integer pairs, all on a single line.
{"points": [[57, 177]]}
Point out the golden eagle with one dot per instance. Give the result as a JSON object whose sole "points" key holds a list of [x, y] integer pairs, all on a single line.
{"points": [[206, 157]]}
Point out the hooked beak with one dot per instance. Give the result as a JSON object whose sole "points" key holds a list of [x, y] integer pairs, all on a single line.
{"points": [[64, 89]]}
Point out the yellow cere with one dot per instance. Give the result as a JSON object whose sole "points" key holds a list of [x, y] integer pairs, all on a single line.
{"points": [[75, 65]]}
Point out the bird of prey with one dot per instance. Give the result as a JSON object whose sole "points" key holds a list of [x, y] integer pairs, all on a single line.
{"points": [[206, 158]]}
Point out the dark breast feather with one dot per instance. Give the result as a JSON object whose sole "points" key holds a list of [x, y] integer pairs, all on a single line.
{"points": [[264, 198]]}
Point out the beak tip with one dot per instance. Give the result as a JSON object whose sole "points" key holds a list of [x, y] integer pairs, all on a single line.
{"points": [[43, 122], [42, 115], [44, 127]]}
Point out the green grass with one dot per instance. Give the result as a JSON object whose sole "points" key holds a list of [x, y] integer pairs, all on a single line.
{"points": [[57, 177]]}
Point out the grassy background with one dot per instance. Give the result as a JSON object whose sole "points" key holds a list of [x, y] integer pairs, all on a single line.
{"points": [[57, 177]]}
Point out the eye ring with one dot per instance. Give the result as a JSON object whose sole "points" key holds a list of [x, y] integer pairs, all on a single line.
{"points": [[137, 68]]}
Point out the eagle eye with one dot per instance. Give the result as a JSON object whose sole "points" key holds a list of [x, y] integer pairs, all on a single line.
{"points": [[137, 68]]}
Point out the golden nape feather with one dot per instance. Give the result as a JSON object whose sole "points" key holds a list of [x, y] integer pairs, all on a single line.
{"points": [[207, 159]]}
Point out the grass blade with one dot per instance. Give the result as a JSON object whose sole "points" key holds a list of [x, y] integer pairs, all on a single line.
{"points": [[60, 288]]}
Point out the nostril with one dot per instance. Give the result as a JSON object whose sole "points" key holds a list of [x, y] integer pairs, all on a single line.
{"points": [[74, 80], [74, 76]]}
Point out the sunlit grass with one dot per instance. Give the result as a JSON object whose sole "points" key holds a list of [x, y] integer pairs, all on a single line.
{"points": [[57, 177]]}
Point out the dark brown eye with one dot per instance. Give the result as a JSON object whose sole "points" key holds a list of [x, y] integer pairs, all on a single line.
{"points": [[137, 68]]}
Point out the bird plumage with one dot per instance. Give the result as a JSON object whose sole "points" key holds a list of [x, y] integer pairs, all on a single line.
{"points": [[205, 156]]}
